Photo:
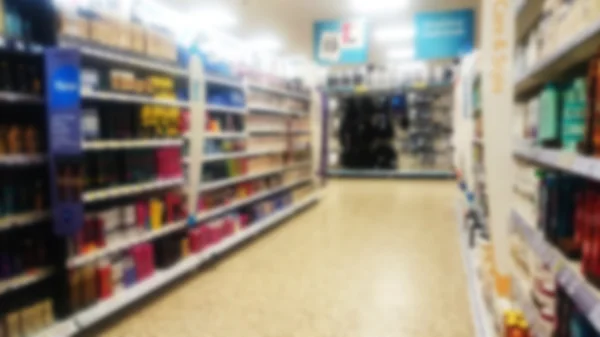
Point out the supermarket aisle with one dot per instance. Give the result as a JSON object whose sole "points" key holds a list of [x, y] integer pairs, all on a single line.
{"points": [[373, 258]]}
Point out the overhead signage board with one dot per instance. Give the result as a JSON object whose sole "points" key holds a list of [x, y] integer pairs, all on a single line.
{"points": [[443, 35], [337, 42]]}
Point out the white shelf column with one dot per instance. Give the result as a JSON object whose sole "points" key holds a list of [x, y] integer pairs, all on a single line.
{"points": [[497, 102], [196, 132]]}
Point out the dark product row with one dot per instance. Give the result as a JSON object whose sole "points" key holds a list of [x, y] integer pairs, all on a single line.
{"points": [[109, 226], [570, 322], [568, 217], [23, 250], [216, 146], [224, 169], [217, 122], [365, 134], [123, 121], [112, 168], [20, 139], [222, 197], [23, 190], [26, 313], [21, 73]]}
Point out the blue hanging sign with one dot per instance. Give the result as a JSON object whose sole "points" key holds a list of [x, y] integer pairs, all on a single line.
{"points": [[442, 35], [63, 114], [341, 42]]}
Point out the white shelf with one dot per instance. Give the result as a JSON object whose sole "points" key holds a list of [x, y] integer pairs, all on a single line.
{"points": [[21, 220], [77, 261], [16, 97], [236, 155], [478, 141], [131, 144], [281, 92], [268, 131], [579, 48], [585, 296], [226, 109], [103, 309], [202, 216], [225, 156], [22, 159], [129, 98], [298, 165], [140, 62], [24, 280], [224, 81], [225, 135], [127, 190], [483, 321], [571, 162], [525, 304], [230, 181], [66, 328], [260, 108]]}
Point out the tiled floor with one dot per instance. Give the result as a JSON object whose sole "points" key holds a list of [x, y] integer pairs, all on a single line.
{"points": [[372, 259]]}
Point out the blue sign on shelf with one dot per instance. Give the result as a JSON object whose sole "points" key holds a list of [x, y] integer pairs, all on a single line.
{"points": [[441, 35], [341, 41], [64, 138]]}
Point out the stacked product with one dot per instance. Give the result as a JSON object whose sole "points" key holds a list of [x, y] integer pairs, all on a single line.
{"points": [[366, 133], [135, 228], [555, 26], [28, 249], [555, 200]]}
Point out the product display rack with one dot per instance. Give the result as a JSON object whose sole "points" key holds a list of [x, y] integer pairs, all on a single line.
{"points": [[556, 166], [403, 148], [110, 77], [483, 320], [27, 263]]}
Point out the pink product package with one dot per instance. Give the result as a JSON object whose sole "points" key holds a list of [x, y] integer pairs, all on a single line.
{"points": [[142, 214], [169, 162]]}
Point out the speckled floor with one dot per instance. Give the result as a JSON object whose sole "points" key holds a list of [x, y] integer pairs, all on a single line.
{"points": [[372, 259]]}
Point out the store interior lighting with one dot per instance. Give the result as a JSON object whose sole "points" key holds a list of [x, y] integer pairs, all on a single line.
{"points": [[395, 33], [402, 54], [378, 6], [267, 43]]}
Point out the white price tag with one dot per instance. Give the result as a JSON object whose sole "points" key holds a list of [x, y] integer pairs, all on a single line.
{"points": [[594, 317], [63, 329], [566, 160]]}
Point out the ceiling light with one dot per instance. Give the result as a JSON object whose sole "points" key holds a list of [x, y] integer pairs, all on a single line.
{"points": [[212, 18], [372, 6], [395, 34], [404, 54], [264, 43]]}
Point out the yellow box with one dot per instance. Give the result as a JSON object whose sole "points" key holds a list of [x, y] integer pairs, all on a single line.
{"points": [[124, 38], [100, 32], [71, 25], [138, 39]]}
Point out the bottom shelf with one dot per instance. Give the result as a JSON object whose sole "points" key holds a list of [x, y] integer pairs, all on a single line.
{"points": [[424, 174], [484, 326], [103, 309]]}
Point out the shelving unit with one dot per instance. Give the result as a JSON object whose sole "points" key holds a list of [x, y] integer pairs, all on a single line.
{"points": [[419, 151], [148, 148], [546, 159], [103, 309]]}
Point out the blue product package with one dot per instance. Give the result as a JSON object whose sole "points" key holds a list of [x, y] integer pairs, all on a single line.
{"points": [[129, 277], [236, 98]]}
